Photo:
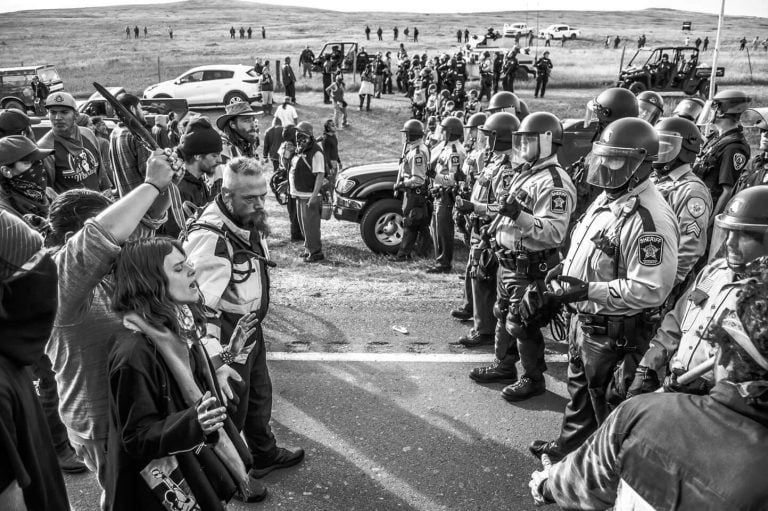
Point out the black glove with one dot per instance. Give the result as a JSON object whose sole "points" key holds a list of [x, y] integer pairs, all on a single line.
{"points": [[464, 206], [511, 209], [399, 186], [577, 290], [646, 381]]}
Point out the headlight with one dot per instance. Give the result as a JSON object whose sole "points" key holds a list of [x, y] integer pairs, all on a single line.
{"points": [[344, 185]]}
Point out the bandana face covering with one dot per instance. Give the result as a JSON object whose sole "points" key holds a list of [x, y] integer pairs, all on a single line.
{"points": [[30, 184]]}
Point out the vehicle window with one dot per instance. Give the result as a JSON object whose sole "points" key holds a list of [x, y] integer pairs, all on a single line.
{"points": [[217, 74], [653, 58], [192, 77], [16, 80], [252, 72], [48, 75]]}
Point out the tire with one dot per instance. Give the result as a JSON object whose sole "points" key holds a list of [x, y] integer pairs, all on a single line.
{"points": [[637, 87], [235, 97], [13, 103], [573, 37], [382, 226]]}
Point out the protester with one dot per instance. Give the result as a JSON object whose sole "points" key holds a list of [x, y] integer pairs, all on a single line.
{"points": [[22, 178], [240, 131], [306, 179], [160, 131], [287, 113], [86, 232], [171, 440], [367, 80], [289, 79], [286, 152], [336, 92], [29, 474], [233, 286], [127, 153], [267, 88], [330, 145], [273, 138]]}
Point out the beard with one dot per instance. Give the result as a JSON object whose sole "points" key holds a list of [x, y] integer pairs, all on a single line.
{"points": [[258, 221]]}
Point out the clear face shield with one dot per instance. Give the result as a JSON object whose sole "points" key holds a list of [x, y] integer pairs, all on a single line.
{"points": [[591, 114], [669, 146], [738, 243], [648, 112], [612, 167], [757, 118], [531, 147], [706, 118]]}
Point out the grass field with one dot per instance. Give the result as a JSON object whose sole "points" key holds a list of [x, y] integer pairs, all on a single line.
{"points": [[88, 44]]}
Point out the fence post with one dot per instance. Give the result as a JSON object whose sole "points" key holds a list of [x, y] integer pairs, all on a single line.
{"points": [[278, 73], [749, 60]]}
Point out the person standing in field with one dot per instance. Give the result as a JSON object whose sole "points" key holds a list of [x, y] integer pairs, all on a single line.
{"points": [[289, 79]]}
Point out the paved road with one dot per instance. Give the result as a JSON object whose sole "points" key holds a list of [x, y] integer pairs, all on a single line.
{"points": [[396, 431]]}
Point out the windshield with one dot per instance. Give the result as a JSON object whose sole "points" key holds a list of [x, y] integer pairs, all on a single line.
{"points": [[48, 75], [640, 57]]}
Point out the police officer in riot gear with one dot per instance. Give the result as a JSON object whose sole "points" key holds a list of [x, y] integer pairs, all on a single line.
{"points": [[726, 151], [412, 181], [740, 236], [475, 147], [447, 161], [536, 202], [504, 101], [650, 106], [756, 172], [482, 208], [619, 269], [679, 143]]}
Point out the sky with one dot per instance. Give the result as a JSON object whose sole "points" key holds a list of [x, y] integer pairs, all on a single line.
{"points": [[732, 7]]}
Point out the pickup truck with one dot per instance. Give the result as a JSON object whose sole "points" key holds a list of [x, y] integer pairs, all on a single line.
{"points": [[515, 29], [558, 31]]}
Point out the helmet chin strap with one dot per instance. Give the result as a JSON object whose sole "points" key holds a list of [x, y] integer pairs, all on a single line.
{"points": [[667, 167]]}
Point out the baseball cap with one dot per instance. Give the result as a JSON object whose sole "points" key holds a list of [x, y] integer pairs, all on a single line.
{"points": [[17, 147], [13, 122], [61, 99]]}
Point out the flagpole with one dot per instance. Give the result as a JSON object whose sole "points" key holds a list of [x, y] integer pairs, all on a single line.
{"points": [[717, 51]]}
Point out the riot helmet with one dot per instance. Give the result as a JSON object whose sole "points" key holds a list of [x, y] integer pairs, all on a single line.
{"points": [[650, 106], [622, 157], [741, 230], [757, 118], [689, 108], [503, 101], [412, 130], [611, 105], [539, 136], [471, 131], [679, 139], [725, 104], [499, 128], [452, 128]]}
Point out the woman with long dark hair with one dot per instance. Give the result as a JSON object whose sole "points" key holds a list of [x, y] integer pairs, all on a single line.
{"points": [[170, 440]]}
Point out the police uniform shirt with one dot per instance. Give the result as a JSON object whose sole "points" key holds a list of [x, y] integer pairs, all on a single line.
{"points": [[647, 252], [683, 330], [474, 163], [550, 201], [449, 160], [726, 164], [483, 192], [413, 169], [692, 204]]}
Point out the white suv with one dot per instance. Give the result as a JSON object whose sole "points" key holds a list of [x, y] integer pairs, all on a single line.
{"points": [[211, 86], [558, 31]]}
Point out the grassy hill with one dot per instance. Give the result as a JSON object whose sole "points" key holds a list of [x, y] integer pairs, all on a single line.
{"points": [[90, 43]]}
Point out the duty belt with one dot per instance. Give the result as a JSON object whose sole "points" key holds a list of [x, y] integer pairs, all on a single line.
{"points": [[623, 330], [528, 262]]}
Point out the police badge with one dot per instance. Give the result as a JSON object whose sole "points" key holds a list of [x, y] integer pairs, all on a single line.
{"points": [[650, 249], [558, 202]]}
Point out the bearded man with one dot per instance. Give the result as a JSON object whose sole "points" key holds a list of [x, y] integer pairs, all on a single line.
{"points": [[227, 246]]}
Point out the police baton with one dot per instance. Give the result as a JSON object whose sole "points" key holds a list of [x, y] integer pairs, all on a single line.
{"points": [[694, 373]]}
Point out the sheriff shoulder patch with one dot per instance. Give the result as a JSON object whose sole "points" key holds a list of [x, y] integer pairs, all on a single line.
{"points": [[739, 160], [558, 201], [696, 206], [419, 160], [650, 249]]}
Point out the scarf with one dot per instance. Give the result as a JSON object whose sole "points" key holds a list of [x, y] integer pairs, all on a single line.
{"points": [[30, 188], [176, 355]]}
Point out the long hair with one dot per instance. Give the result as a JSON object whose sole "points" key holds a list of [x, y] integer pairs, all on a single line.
{"points": [[141, 285], [70, 210]]}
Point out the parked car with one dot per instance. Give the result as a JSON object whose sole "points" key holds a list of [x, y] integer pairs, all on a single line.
{"points": [[212, 85], [686, 74], [558, 31], [515, 29], [364, 195], [16, 85]]}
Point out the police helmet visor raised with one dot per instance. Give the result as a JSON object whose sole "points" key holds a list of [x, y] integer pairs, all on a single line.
{"points": [[669, 146], [648, 112], [755, 118], [612, 167]]}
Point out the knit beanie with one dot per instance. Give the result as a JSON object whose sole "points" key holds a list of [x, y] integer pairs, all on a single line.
{"points": [[200, 138], [20, 243]]}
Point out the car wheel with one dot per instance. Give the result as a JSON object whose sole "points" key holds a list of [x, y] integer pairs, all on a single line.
{"points": [[235, 97], [573, 36], [637, 87], [382, 226], [18, 105]]}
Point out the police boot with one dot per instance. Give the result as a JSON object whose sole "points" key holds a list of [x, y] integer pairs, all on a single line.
{"points": [[523, 389], [474, 340], [551, 449], [461, 314], [494, 373]]}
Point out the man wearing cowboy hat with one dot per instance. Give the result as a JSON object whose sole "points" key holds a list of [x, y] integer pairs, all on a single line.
{"points": [[240, 131]]}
